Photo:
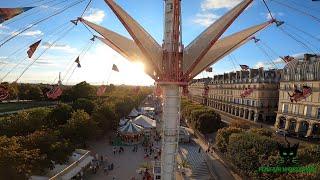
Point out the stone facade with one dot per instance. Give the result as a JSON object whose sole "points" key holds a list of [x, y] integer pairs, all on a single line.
{"points": [[303, 117], [224, 93]]}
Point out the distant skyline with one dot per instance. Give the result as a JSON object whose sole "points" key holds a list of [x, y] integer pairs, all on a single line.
{"points": [[196, 16]]}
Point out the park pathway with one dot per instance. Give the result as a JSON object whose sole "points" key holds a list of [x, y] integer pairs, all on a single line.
{"points": [[199, 168]]}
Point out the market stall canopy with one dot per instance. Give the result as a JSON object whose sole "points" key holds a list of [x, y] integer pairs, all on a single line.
{"points": [[134, 113], [145, 121], [130, 128], [123, 121]]}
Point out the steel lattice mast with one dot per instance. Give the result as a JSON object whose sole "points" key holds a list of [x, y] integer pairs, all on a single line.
{"points": [[171, 65]]}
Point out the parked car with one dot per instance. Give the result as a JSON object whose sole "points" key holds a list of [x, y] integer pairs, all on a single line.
{"points": [[282, 132]]}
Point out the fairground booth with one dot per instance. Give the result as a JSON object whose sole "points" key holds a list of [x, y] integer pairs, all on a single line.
{"points": [[131, 133]]}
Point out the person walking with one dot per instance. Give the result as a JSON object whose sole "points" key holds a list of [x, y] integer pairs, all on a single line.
{"points": [[114, 150]]}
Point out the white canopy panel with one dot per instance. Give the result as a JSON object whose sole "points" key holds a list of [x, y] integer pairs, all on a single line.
{"points": [[201, 45], [124, 46], [148, 46], [145, 121], [225, 46], [134, 113], [131, 128]]}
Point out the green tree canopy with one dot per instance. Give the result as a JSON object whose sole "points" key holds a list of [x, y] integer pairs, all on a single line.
{"points": [[17, 162], [80, 127], [86, 104], [105, 118], [208, 123], [59, 115]]}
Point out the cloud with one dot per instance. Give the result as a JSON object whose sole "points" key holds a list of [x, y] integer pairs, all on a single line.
{"points": [[95, 15], [218, 4], [205, 19], [62, 47], [274, 14], [3, 26]]}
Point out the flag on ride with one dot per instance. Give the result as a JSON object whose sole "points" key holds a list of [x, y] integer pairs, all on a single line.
{"points": [[4, 93], [8, 13], [75, 22], [307, 91], [244, 67], [287, 59], [101, 90], [256, 40], [78, 62], [115, 68], [246, 92], [54, 93], [209, 69], [33, 48]]}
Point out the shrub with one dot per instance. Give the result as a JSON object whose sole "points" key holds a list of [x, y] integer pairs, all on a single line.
{"points": [[261, 131], [240, 124], [222, 138], [208, 123], [248, 150], [85, 104]]}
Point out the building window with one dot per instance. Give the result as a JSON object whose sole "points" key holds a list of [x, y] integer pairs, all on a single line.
{"points": [[307, 111], [295, 109], [318, 113], [285, 108], [253, 103]]}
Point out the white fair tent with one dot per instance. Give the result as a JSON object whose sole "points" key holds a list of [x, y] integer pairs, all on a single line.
{"points": [[123, 121], [145, 122], [134, 113]]}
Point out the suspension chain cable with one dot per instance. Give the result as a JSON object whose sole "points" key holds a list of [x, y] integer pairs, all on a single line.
{"points": [[84, 54], [72, 60], [269, 58], [297, 40], [302, 31], [24, 15], [40, 21], [232, 62], [25, 47], [297, 10], [51, 45], [270, 13]]}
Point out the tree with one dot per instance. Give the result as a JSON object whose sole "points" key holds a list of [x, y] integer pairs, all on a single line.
{"points": [[105, 118], [17, 162], [85, 104], [243, 124], [82, 90], [208, 123], [16, 125], [59, 115], [309, 154], [50, 146], [37, 118], [222, 137], [261, 131], [80, 128], [247, 150], [35, 93], [123, 106]]}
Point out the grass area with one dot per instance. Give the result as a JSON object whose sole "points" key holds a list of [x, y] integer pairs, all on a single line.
{"points": [[15, 106]]}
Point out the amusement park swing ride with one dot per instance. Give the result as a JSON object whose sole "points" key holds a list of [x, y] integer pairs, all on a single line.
{"points": [[171, 65]]}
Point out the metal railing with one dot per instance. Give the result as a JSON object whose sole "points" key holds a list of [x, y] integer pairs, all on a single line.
{"points": [[73, 165]]}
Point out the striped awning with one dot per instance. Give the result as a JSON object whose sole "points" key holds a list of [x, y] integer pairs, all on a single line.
{"points": [[131, 128]]}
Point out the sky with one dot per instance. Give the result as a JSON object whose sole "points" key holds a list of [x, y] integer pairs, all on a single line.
{"points": [[97, 59]]}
